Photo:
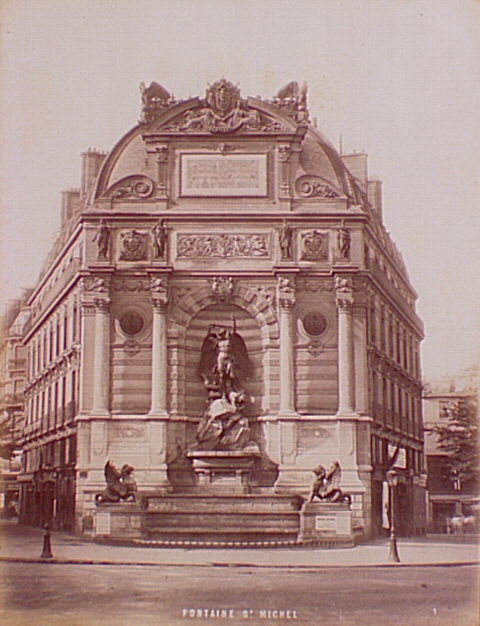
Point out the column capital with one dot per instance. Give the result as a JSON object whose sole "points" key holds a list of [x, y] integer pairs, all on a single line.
{"points": [[286, 293], [159, 291], [102, 304], [344, 291]]}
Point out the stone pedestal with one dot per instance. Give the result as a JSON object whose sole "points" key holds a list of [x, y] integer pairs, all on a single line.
{"points": [[326, 523], [117, 521], [223, 471]]}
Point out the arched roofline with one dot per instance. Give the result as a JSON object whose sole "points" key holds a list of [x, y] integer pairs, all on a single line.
{"points": [[289, 124]]}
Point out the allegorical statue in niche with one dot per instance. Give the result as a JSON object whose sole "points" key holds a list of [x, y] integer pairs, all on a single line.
{"points": [[343, 240], [224, 364], [159, 233], [326, 485], [120, 485], [102, 237], [285, 240]]}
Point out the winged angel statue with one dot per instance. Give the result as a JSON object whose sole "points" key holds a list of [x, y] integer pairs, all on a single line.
{"points": [[120, 485], [224, 364]]}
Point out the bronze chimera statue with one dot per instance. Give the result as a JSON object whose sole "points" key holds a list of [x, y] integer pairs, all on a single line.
{"points": [[326, 485], [120, 485]]}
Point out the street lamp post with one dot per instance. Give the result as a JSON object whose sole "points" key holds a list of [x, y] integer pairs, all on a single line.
{"points": [[392, 480]]}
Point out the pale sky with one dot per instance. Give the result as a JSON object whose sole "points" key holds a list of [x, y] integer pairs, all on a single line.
{"points": [[396, 78]]}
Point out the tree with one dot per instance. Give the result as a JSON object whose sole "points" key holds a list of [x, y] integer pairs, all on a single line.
{"points": [[459, 440]]}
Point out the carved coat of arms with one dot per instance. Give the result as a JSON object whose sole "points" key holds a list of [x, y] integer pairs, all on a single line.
{"points": [[133, 246], [314, 246]]}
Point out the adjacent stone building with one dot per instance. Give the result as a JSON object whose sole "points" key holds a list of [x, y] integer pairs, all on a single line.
{"points": [[230, 212], [12, 381], [447, 498]]}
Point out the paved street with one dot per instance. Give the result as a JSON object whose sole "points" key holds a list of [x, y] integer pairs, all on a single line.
{"points": [[41, 594], [90, 584]]}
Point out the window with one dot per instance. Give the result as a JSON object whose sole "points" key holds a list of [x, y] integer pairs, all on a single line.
{"points": [[65, 330]]}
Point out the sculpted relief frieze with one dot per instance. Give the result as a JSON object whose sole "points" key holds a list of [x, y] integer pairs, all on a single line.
{"points": [[223, 111], [223, 245]]}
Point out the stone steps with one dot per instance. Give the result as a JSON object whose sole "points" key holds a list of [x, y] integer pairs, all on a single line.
{"points": [[221, 518]]}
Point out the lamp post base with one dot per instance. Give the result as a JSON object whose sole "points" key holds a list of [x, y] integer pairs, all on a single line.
{"points": [[393, 551]]}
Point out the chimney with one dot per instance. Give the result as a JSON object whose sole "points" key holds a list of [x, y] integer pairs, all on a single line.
{"points": [[70, 203], [374, 192], [91, 162], [357, 165]]}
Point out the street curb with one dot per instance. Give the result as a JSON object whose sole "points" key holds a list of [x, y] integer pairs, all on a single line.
{"points": [[56, 561]]}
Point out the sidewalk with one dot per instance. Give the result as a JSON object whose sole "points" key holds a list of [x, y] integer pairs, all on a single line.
{"points": [[24, 544]]}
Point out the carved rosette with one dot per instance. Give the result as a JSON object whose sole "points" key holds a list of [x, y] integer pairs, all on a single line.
{"points": [[286, 293]]}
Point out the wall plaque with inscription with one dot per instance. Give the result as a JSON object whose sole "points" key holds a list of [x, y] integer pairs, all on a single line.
{"points": [[227, 175]]}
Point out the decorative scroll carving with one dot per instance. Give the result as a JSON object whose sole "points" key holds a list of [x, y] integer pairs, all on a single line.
{"points": [[134, 246], [137, 187], [222, 288], [314, 246], [223, 246], [310, 186], [155, 99]]}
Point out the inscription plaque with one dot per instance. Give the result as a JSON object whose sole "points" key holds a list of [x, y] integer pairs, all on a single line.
{"points": [[326, 522], [228, 175]]}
